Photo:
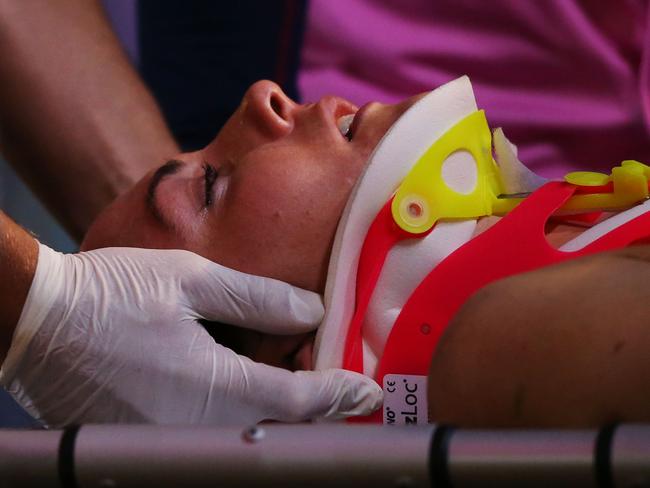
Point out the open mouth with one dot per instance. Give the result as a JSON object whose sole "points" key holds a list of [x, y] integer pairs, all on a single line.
{"points": [[345, 124], [349, 124]]}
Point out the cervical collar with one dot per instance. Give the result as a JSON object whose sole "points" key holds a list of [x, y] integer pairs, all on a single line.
{"points": [[403, 263], [409, 261]]}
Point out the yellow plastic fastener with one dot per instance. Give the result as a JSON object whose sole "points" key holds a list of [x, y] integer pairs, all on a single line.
{"points": [[587, 178], [423, 198], [630, 186]]}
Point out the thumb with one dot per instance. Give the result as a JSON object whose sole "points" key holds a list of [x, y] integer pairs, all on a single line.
{"points": [[335, 394], [222, 294], [303, 395]]}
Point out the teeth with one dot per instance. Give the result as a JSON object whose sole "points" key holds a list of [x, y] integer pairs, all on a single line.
{"points": [[344, 123]]}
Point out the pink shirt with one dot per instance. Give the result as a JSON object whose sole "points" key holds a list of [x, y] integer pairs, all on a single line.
{"points": [[568, 80]]}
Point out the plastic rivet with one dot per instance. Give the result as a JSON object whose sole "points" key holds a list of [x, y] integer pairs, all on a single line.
{"points": [[425, 328], [253, 434], [413, 210]]}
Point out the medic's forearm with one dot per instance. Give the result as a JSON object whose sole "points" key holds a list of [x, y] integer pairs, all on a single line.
{"points": [[77, 122], [18, 258]]}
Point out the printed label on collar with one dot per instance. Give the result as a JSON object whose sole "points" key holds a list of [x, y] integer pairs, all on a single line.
{"points": [[405, 399]]}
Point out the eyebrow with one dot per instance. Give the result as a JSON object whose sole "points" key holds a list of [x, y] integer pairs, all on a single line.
{"points": [[169, 168]]}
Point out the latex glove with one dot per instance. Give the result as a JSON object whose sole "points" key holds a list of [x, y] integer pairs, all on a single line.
{"points": [[111, 335]]}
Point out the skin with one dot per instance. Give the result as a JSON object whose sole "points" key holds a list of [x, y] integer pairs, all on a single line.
{"points": [[285, 173], [18, 257], [563, 346], [77, 122]]}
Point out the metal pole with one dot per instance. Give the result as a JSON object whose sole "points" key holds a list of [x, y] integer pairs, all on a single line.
{"points": [[522, 458], [29, 458], [269, 455], [630, 456], [324, 455]]}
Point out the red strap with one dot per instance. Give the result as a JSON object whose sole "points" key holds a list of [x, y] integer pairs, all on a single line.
{"points": [[382, 236]]}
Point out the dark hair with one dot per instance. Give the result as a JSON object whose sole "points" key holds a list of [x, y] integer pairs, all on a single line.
{"points": [[225, 334]]}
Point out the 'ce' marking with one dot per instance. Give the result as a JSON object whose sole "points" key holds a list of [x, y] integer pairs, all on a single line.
{"points": [[390, 387]]}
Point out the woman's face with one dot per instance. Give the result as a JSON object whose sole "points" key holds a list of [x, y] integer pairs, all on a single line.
{"points": [[264, 197]]}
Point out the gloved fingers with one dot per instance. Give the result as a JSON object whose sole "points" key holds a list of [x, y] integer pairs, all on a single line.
{"points": [[330, 394], [303, 395], [221, 294]]}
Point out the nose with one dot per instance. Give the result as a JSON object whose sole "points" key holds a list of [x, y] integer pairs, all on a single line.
{"points": [[269, 108]]}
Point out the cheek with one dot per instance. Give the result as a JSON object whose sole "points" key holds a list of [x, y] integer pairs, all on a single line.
{"points": [[280, 220], [304, 201]]}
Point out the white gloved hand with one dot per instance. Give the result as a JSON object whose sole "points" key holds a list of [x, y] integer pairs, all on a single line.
{"points": [[111, 335]]}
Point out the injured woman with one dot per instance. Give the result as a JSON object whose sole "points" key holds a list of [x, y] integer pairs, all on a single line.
{"points": [[446, 265]]}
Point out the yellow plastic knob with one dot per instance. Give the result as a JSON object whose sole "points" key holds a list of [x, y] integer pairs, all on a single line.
{"points": [[587, 178]]}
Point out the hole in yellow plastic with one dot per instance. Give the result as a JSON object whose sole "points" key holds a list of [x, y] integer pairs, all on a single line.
{"points": [[460, 172], [415, 210]]}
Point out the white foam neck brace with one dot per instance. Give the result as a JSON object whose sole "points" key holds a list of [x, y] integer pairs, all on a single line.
{"points": [[391, 161]]}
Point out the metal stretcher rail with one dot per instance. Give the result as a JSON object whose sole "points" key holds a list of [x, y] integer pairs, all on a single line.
{"points": [[324, 456]]}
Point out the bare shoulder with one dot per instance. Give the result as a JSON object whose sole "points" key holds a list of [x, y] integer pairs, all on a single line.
{"points": [[565, 345]]}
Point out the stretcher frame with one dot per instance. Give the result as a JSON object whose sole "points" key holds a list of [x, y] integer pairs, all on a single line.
{"points": [[324, 455]]}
